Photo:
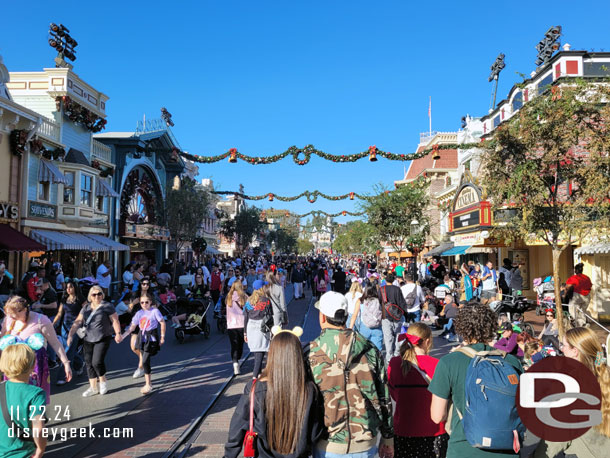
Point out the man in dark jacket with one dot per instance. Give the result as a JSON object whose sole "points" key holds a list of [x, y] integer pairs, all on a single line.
{"points": [[339, 278], [297, 279], [390, 294]]}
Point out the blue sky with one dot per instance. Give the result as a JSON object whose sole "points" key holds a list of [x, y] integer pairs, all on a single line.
{"points": [[262, 76]]}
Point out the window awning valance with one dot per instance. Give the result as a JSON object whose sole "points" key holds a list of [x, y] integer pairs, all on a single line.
{"points": [[48, 172], [103, 189]]}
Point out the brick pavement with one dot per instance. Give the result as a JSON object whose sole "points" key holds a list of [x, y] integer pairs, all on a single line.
{"points": [[214, 429]]}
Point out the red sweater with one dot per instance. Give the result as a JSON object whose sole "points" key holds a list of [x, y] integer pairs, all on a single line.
{"points": [[412, 415]]}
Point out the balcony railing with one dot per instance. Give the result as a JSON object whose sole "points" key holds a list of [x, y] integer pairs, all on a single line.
{"points": [[101, 151], [49, 129]]}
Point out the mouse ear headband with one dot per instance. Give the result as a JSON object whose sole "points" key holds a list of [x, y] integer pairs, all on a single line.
{"points": [[35, 341], [297, 330]]}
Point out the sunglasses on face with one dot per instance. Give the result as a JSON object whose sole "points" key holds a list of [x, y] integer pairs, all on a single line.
{"points": [[145, 302], [145, 283], [97, 294]]}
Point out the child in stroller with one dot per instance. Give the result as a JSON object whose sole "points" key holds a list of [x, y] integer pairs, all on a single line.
{"points": [[192, 318]]}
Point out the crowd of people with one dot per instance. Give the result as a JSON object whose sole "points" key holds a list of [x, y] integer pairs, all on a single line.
{"points": [[334, 398]]}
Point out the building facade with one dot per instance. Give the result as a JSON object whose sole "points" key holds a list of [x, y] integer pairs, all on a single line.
{"points": [[66, 187]]}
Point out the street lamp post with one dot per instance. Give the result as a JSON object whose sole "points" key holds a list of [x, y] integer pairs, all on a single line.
{"points": [[63, 43], [414, 231], [496, 68]]}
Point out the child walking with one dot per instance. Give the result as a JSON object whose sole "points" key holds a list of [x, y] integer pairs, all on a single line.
{"points": [[27, 402], [149, 319]]}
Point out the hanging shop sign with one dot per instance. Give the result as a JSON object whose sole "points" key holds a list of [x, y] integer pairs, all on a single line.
{"points": [[9, 211], [146, 232], [39, 210], [473, 238], [469, 211], [466, 198]]}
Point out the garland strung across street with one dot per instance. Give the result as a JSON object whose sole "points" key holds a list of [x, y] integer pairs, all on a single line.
{"points": [[315, 213], [311, 196], [301, 156]]}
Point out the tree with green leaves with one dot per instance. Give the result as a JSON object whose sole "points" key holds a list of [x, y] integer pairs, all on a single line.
{"points": [[304, 246], [244, 227], [547, 169], [183, 213], [391, 214], [356, 237], [285, 240]]}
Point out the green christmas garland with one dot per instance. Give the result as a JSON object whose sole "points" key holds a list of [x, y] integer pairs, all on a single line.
{"points": [[301, 156], [311, 196], [315, 213]]}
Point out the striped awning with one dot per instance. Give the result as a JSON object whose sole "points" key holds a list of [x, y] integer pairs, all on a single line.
{"points": [[111, 244], [48, 172], [55, 240], [91, 244], [599, 248], [103, 189]]}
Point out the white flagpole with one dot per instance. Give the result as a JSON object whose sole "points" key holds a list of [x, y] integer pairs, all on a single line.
{"points": [[430, 114]]}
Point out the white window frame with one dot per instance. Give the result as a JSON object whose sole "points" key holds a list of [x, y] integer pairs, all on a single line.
{"points": [[91, 191]]}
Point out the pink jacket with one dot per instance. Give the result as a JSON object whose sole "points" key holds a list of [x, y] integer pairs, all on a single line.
{"points": [[235, 315]]}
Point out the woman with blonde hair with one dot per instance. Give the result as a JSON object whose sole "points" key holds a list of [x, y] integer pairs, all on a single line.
{"points": [[257, 312], [287, 409], [95, 324], [352, 296], [415, 434], [24, 325], [236, 301], [583, 345]]}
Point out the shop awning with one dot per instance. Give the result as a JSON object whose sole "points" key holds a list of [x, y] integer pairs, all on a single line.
{"points": [[111, 244], [598, 248], [456, 251], [13, 240], [92, 244], [212, 250], [439, 249], [48, 172], [103, 189], [55, 240]]}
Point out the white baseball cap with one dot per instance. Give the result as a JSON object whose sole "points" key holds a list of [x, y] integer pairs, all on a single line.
{"points": [[331, 302]]}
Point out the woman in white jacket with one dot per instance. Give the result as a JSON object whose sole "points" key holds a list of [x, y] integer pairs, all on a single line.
{"points": [[275, 293]]}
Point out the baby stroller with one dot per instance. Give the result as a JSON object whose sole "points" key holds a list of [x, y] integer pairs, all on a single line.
{"points": [[85, 284], [545, 294], [196, 323], [220, 315]]}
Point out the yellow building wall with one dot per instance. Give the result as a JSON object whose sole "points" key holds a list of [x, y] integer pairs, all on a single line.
{"points": [[597, 267], [541, 265], [5, 167]]}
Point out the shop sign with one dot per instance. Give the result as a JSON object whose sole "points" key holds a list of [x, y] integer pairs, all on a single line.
{"points": [[146, 231], [39, 210], [472, 218], [466, 198], [9, 211], [474, 238]]}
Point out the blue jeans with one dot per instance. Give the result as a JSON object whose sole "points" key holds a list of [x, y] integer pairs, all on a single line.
{"points": [[76, 360], [449, 329], [317, 453], [375, 335]]}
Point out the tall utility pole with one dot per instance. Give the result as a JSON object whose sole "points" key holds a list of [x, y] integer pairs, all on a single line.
{"points": [[496, 68]]}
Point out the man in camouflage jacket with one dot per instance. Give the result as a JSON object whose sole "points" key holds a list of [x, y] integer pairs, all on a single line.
{"points": [[350, 373]]}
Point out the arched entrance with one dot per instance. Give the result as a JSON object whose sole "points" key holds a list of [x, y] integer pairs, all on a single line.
{"points": [[139, 226]]}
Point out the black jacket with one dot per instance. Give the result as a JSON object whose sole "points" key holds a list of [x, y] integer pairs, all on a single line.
{"points": [[298, 275], [393, 296], [313, 424]]}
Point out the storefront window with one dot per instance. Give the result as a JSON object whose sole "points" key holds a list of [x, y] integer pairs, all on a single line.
{"points": [[86, 190], [69, 188], [517, 101], [43, 190]]}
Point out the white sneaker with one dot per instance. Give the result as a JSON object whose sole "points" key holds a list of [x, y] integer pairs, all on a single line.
{"points": [[90, 392], [236, 370], [103, 388], [138, 373]]}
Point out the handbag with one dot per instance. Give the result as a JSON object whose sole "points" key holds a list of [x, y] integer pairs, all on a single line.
{"points": [[250, 438], [267, 323], [82, 331], [392, 310]]}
